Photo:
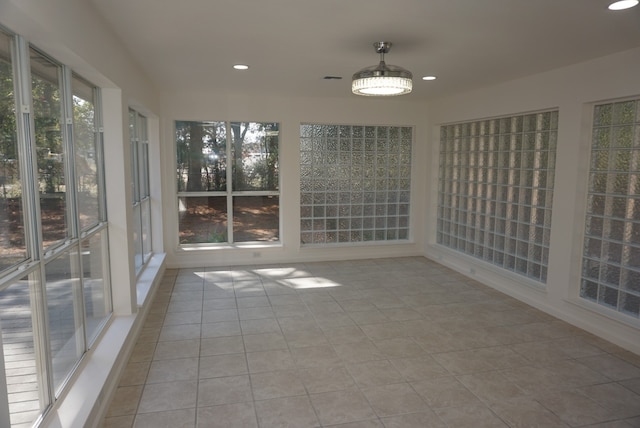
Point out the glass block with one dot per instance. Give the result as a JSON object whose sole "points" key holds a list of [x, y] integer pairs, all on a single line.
{"points": [[331, 224], [331, 211], [623, 137], [633, 234], [331, 237], [630, 280], [367, 235], [608, 296], [603, 115], [318, 211], [368, 223], [318, 224], [306, 224], [344, 224], [306, 198], [344, 211], [589, 290], [630, 304], [624, 112]]}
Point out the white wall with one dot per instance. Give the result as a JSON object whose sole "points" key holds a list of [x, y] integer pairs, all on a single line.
{"points": [[572, 90], [290, 113]]}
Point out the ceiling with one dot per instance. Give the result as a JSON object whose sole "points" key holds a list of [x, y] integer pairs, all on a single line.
{"points": [[291, 45]]}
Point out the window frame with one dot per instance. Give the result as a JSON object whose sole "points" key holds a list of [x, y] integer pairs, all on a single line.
{"points": [[229, 193]]}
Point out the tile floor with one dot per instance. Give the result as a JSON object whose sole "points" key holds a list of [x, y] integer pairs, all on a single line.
{"points": [[399, 342]]}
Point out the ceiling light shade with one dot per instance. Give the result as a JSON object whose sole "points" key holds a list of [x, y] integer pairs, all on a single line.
{"points": [[382, 79]]}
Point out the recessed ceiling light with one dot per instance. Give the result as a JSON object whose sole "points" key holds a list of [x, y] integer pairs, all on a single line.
{"points": [[241, 67], [623, 4], [429, 78]]}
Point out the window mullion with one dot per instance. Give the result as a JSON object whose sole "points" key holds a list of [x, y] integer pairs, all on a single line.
{"points": [[230, 184]]}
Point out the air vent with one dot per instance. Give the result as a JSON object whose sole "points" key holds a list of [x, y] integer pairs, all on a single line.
{"points": [[332, 77]]}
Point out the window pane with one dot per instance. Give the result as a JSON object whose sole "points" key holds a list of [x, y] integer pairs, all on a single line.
{"points": [[145, 207], [65, 331], [201, 156], [137, 237], [16, 321], [520, 155], [47, 116], [202, 219], [84, 140], [256, 218], [613, 210], [255, 155], [12, 241], [96, 298]]}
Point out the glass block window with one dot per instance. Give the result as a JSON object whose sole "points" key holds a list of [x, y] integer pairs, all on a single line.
{"points": [[496, 190], [611, 260], [354, 183]]}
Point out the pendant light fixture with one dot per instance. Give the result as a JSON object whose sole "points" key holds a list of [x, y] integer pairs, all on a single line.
{"points": [[382, 79]]}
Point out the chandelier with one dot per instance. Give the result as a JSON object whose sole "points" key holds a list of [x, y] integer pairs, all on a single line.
{"points": [[382, 79]]}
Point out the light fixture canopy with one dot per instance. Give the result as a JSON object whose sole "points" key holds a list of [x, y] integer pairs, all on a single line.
{"points": [[382, 79]]}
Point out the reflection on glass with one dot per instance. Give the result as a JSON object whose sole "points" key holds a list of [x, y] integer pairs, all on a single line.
{"points": [[49, 148], [12, 242], [96, 299], [145, 208], [65, 332], [19, 352], [255, 155], [201, 156], [136, 238], [202, 219], [84, 140], [255, 218]]}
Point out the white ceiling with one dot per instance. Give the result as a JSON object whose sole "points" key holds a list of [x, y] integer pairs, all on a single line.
{"points": [[290, 45]]}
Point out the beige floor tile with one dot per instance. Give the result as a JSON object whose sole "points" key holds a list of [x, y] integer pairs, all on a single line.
{"points": [[184, 418], [395, 399], [256, 313], [425, 419], [179, 332], [264, 342], [219, 315], [315, 356], [338, 407], [221, 329], [221, 303], [400, 347], [356, 352], [374, 423], [177, 318], [611, 366], [237, 415], [341, 335], [125, 400], [526, 413], [135, 374], [284, 383], [471, 415], [269, 325], [119, 422], [576, 409], [444, 392], [177, 349], [268, 361], [288, 412], [305, 338], [142, 352], [491, 386], [624, 402], [222, 365], [158, 397], [421, 368], [326, 379], [221, 345], [373, 373], [173, 370], [224, 390]]}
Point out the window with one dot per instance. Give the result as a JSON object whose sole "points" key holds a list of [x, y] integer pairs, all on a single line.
{"points": [[611, 259], [496, 190], [54, 284], [138, 131], [227, 170], [355, 183]]}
